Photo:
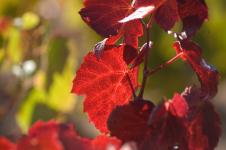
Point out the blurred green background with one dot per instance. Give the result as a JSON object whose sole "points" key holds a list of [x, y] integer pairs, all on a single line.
{"points": [[42, 43]]}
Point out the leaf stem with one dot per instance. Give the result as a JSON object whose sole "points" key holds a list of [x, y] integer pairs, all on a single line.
{"points": [[145, 70], [152, 71]]}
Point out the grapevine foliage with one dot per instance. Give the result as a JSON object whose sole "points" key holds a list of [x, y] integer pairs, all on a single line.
{"points": [[108, 78]]}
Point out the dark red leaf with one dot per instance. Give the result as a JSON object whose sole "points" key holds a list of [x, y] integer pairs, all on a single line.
{"points": [[204, 128], [207, 74], [167, 14], [103, 15], [192, 13], [105, 84], [5, 144], [70, 140], [167, 126], [130, 122], [130, 53], [203, 123]]}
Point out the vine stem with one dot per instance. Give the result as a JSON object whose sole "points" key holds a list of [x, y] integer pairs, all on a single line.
{"points": [[145, 70], [172, 60]]}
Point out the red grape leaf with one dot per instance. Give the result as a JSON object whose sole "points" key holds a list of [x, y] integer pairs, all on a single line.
{"points": [[129, 54], [204, 129], [105, 84], [104, 15], [70, 140], [192, 13], [130, 122], [5, 144], [204, 122], [207, 74], [42, 136], [132, 30], [167, 126], [167, 14], [54, 136]]}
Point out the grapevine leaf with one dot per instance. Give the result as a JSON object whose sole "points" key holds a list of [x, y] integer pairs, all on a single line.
{"points": [[54, 136], [129, 54], [207, 74], [168, 130], [71, 140], [41, 136], [192, 13], [130, 122], [132, 31], [103, 17], [204, 129], [105, 84], [5, 144], [204, 126], [167, 14]]}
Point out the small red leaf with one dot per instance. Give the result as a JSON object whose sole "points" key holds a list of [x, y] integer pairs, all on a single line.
{"points": [[207, 74], [132, 31], [129, 54], [105, 84], [130, 122], [42, 136], [167, 14], [178, 106], [192, 13], [5, 144]]}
